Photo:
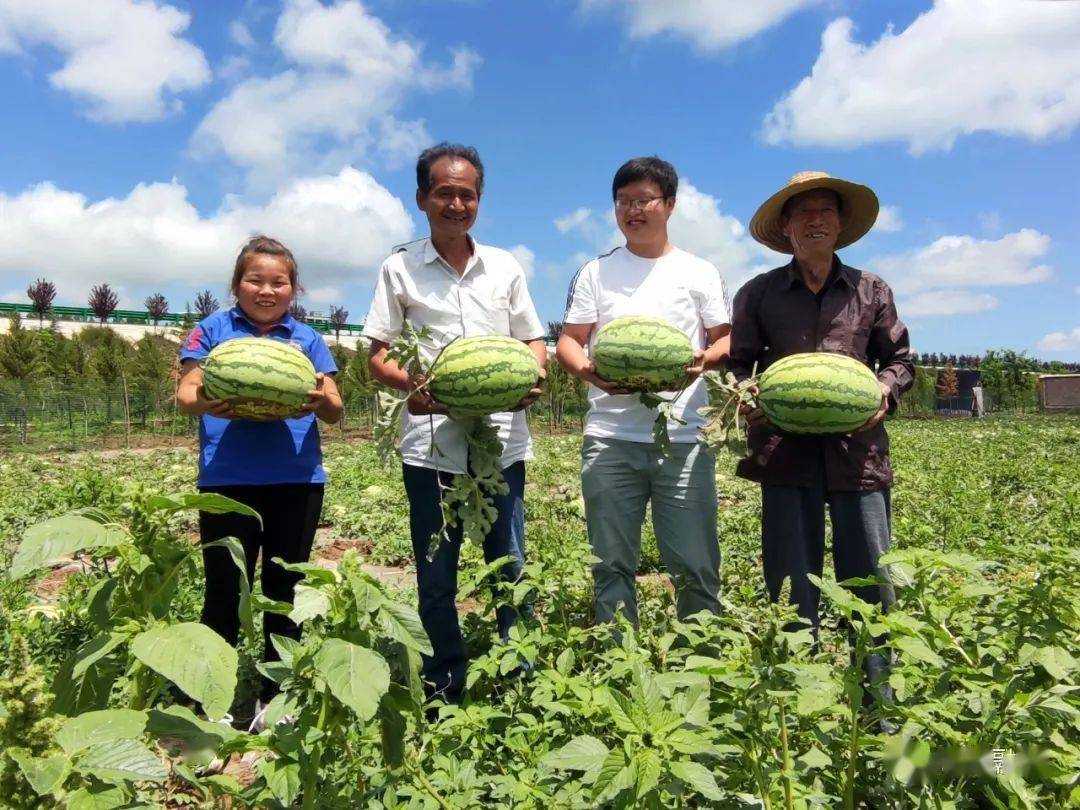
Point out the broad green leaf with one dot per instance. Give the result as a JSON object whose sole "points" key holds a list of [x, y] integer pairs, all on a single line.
{"points": [[583, 753], [282, 777], [611, 766], [698, 777], [236, 552], [180, 723], [916, 648], [100, 797], [193, 657], [815, 758], [93, 728], [43, 773], [392, 728], [121, 761], [97, 601], [355, 675], [308, 603], [85, 678], [212, 502], [621, 712], [565, 662], [285, 647], [366, 594], [313, 572], [403, 624], [61, 537], [1056, 661], [647, 764]]}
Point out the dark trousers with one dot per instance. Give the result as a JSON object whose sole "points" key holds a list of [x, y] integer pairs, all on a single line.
{"points": [[290, 514], [436, 579], [793, 546]]}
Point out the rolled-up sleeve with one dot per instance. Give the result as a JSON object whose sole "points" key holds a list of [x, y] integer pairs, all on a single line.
{"points": [[525, 324], [386, 316], [746, 338], [889, 344]]}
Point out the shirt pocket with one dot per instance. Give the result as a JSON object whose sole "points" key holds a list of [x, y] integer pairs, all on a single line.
{"points": [[494, 312]]}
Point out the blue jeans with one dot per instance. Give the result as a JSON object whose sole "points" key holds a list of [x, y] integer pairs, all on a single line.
{"points": [[436, 579]]}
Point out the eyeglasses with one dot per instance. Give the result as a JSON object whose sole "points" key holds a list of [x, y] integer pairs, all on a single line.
{"points": [[623, 204]]}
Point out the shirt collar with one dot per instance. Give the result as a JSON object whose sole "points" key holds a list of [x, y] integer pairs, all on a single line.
{"points": [[286, 324], [839, 272], [432, 255]]}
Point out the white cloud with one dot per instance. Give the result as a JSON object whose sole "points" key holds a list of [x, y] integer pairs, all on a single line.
{"points": [[240, 34], [946, 302], [340, 227], [574, 220], [1061, 341], [963, 261], [127, 59], [710, 25], [337, 102], [526, 258], [960, 67], [889, 220]]}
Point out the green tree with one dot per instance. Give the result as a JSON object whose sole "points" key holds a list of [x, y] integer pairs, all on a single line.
{"points": [[151, 363], [1010, 378], [109, 361], [20, 363]]}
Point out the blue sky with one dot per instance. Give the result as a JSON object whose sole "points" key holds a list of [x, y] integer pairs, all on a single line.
{"points": [[143, 142]]}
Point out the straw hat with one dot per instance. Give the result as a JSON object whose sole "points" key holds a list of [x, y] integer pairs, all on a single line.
{"points": [[859, 204]]}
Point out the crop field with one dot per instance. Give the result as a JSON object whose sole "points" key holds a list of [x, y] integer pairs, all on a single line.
{"points": [[108, 678]]}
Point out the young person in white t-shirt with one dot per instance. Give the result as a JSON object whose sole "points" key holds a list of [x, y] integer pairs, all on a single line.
{"points": [[622, 471]]}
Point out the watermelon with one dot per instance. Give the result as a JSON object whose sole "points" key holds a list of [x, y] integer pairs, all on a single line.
{"points": [[818, 392], [646, 354], [263, 379], [476, 376]]}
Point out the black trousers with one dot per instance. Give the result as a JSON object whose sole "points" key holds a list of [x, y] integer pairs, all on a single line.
{"points": [[290, 514]]}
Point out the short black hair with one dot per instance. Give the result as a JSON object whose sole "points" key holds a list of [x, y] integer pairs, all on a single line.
{"points": [[647, 168], [452, 150]]}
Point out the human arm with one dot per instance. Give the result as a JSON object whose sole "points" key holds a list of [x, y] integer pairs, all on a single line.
{"points": [[889, 344], [718, 340], [390, 374], [191, 396], [570, 352]]}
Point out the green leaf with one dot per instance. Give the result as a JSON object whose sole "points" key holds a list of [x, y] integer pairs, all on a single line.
{"points": [[85, 678], [121, 761], [697, 777], [583, 753], [621, 712], [1057, 662], [312, 571], [403, 624], [282, 777], [236, 551], [308, 603], [43, 773], [212, 502], [93, 728], [392, 730], [611, 766], [815, 758], [179, 722], [195, 658], [60, 537], [916, 648], [98, 797], [647, 764], [355, 675]]}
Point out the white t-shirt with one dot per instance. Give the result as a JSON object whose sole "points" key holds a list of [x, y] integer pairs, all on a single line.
{"points": [[491, 297], [679, 288]]}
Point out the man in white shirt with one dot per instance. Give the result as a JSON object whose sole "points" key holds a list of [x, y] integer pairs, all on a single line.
{"points": [[455, 287], [621, 468]]}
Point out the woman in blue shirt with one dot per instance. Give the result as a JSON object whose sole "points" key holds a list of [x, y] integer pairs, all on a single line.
{"points": [[275, 467]]}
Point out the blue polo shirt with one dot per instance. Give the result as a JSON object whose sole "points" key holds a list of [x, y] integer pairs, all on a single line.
{"points": [[239, 451]]}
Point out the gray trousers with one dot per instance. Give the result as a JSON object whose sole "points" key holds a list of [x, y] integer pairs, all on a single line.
{"points": [[618, 480], [793, 541]]}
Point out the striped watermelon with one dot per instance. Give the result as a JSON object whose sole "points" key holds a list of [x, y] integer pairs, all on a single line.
{"points": [[483, 375], [262, 378], [818, 392], [642, 353]]}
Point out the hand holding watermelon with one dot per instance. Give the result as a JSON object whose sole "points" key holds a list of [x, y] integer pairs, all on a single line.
{"points": [[534, 393], [420, 401], [883, 409]]}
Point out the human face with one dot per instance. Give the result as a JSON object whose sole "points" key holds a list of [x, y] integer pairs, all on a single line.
{"points": [[646, 222], [453, 201], [265, 290], [813, 222]]}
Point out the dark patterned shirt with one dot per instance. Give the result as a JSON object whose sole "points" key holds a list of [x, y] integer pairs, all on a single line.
{"points": [[775, 315]]}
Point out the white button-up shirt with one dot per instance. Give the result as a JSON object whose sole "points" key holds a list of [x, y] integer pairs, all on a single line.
{"points": [[416, 285]]}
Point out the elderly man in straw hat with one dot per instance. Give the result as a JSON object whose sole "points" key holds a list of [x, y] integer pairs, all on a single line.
{"points": [[816, 303]]}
